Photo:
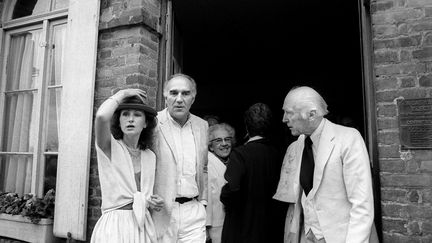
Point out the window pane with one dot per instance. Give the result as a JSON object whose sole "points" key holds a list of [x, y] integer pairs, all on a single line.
{"points": [[59, 4], [59, 34], [16, 173], [54, 102], [24, 61], [50, 173], [25, 8], [42, 6], [18, 119]]}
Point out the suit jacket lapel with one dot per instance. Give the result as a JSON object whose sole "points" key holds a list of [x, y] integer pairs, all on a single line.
{"points": [[165, 129], [325, 148], [298, 151]]}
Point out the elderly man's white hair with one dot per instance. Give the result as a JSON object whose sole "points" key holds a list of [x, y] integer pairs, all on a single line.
{"points": [[306, 99]]}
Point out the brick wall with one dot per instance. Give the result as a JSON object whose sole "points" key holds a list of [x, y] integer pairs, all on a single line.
{"points": [[402, 42], [128, 50]]}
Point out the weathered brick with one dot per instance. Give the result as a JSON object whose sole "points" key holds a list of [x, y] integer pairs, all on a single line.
{"points": [[426, 166], [394, 225], [388, 138], [415, 211], [386, 57], [399, 238], [425, 81], [386, 83], [413, 196], [394, 210], [423, 155], [411, 180], [403, 29], [105, 53], [125, 50], [387, 123], [412, 93], [428, 12], [423, 53], [385, 30], [385, 43], [413, 228], [426, 195], [400, 3], [427, 227], [135, 79], [388, 151], [394, 195], [428, 40], [408, 68], [392, 166], [407, 82], [152, 73], [387, 110], [386, 96], [107, 82], [412, 166], [381, 6], [417, 3], [405, 56], [409, 41], [407, 14], [417, 27]]}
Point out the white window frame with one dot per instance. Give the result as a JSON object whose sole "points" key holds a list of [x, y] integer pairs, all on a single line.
{"points": [[78, 79], [45, 24]]}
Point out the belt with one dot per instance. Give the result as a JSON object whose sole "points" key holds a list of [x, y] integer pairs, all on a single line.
{"points": [[126, 207], [182, 200]]}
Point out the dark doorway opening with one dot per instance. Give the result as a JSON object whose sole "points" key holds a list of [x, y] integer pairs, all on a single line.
{"points": [[244, 52]]}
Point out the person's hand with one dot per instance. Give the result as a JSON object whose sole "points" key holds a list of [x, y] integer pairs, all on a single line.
{"points": [[155, 202], [124, 93]]}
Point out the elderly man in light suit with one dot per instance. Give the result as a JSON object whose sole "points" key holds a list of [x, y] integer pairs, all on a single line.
{"points": [[181, 169], [326, 175]]}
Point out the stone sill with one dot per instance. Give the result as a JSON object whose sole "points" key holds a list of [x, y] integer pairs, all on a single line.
{"points": [[21, 228]]}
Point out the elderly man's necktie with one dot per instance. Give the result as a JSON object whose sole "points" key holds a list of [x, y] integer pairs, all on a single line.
{"points": [[307, 166]]}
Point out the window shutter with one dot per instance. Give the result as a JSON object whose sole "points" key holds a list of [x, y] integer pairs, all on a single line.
{"points": [[78, 76]]}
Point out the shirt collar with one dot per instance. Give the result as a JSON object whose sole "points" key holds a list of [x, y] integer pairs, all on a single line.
{"points": [[174, 122], [316, 135], [254, 138]]}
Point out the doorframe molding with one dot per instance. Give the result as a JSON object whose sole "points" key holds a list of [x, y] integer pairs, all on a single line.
{"points": [[369, 106]]}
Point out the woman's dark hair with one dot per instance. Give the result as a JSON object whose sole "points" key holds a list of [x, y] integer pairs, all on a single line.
{"points": [[146, 137], [258, 120]]}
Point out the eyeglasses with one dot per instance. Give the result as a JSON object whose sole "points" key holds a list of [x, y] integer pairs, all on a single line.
{"points": [[220, 140]]}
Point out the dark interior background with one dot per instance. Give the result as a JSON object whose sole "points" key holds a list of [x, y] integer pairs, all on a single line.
{"points": [[243, 52]]}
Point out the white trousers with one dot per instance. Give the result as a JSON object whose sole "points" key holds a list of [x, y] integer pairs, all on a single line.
{"points": [[187, 223], [216, 234]]}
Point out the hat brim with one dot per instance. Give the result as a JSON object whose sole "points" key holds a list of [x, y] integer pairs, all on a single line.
{"points": [[141, 107]]}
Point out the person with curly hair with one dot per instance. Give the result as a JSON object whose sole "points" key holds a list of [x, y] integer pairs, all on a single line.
{"points": [[124, 127], [252, 175]]}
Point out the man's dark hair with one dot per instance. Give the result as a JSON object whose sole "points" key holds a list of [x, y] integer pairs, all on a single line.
{"points": [[258, 120]]}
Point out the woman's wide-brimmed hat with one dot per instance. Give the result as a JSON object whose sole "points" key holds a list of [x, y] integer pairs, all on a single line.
{"points": [[137, 104]]}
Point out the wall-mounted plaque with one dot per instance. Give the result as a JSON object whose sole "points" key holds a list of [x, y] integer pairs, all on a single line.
{"points": [[415, 123]]}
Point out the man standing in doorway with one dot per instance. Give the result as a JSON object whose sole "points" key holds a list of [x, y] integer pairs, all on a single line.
{"points": [[181, 168], [326, 175]]}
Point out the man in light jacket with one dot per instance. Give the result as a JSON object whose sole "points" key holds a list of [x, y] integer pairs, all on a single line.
{"points": [[325, 176], [181, 167]]}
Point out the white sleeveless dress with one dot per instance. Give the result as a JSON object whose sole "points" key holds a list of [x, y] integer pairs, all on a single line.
{"points": [[118, 187]]}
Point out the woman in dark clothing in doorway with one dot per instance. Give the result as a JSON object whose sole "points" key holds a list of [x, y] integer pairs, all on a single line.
{"points": [[252, 177]]}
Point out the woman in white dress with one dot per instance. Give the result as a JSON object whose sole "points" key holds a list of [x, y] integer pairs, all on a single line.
{"points": [[124, 127]]}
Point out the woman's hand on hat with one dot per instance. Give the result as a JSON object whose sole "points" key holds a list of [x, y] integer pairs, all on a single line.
{"points": [[121, 94]]}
